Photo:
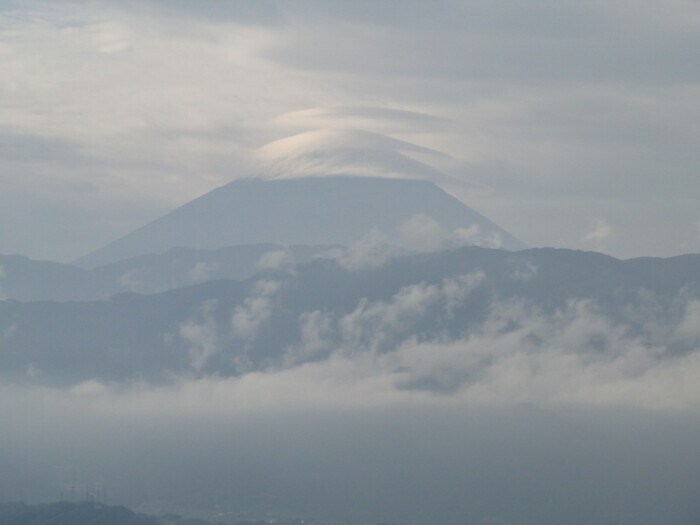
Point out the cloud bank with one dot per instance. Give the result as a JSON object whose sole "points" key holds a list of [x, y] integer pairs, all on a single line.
{"points": [[383, 411], [537, 406]]}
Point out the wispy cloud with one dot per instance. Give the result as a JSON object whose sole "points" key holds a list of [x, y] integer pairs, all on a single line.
{"points": [[256, 309], [371, 357], [201, 335], [602, 231]]}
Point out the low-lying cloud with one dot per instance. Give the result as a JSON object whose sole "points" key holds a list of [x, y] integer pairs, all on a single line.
{"points": [[528, 405], [420, 233], [377, 356], [601, 232]]}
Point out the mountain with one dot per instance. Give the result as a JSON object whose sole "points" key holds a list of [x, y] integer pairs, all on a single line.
{"points": [[280, 318], [27, 280], [338, 210]]}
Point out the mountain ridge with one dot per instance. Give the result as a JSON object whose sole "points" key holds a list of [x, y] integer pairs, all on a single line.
{"points": [[154, 336]]}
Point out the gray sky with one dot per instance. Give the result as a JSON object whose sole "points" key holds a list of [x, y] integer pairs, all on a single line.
{"points": [[571, 124]]}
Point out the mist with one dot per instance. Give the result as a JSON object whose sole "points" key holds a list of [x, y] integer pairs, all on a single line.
{"points": [[520, 421], [361, 455]]}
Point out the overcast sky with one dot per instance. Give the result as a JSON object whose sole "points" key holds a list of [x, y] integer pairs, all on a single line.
{"points": [[569, 124]]}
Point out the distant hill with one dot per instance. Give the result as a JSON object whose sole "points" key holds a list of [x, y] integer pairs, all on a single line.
{"points": [[229, 327], [305, 211], [24, 279]]}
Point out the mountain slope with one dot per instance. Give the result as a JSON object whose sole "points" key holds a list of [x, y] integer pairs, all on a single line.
{"points": [[308, 211]]}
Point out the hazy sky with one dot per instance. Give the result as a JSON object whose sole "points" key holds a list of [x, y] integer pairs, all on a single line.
{"points": [[570, 124]]}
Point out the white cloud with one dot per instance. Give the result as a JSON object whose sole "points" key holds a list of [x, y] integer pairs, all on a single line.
{"points": [[601, 232], [375, 326], [524, 270], [323, 152], [372, 358], [200, 333], [420, 233], [317, 330], [375, 119], [249, 317], [371, 251], [277, 260], [202, 271], [89, 389], [423, 233], [572, 358]]}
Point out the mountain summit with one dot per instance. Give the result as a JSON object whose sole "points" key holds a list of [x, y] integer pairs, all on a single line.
{"points": [[337, 210]]}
